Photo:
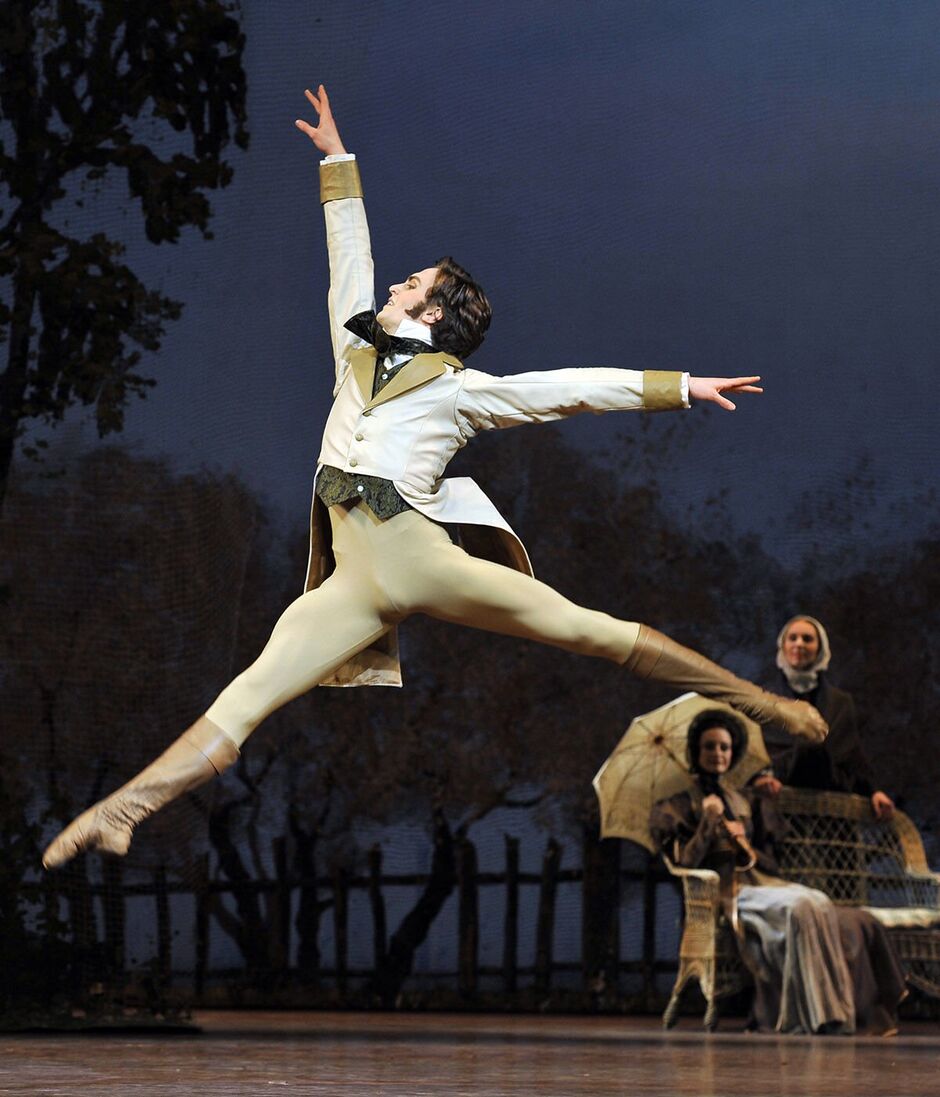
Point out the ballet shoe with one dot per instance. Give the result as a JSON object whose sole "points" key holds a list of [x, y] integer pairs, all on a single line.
{"points": [[198, 755]]}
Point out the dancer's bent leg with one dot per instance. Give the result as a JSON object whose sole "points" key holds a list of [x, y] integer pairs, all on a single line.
{"points": [[316, 634], [454, 586]]}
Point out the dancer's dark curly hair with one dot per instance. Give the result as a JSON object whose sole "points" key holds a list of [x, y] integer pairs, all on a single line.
{"points": [[465, 306]]}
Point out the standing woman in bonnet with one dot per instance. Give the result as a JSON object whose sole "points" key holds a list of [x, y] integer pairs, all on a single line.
{"points": [[839, 764]]}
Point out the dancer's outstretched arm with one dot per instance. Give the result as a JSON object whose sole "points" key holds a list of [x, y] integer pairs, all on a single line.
{"points": [[488, 402]]}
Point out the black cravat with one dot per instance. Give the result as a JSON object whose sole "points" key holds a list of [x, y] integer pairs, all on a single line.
{"points": [[366, 327]]}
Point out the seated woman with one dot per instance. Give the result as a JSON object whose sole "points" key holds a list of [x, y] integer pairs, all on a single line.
{"points": [[817, 968], [839, 764]]}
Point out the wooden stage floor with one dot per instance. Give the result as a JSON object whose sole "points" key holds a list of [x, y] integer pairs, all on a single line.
{"points": [[413, 1055]]}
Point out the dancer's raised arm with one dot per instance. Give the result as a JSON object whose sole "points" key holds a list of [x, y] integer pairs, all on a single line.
{"points": [[347, 231]]}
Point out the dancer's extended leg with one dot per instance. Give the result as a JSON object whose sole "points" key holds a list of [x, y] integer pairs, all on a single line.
{"points": [[451, 585]]}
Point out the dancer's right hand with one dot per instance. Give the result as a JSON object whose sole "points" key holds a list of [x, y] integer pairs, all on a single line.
{"points": [[325, 135]]}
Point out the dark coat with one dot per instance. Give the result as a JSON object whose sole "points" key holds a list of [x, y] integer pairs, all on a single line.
{"points": [[839, 764]]}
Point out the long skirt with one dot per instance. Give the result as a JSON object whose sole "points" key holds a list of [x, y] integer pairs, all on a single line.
{"points": [[817, 967]]}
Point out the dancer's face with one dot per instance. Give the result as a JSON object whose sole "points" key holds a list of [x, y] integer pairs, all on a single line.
{"points": [[801, 644], [408, 299], [714, 751]]}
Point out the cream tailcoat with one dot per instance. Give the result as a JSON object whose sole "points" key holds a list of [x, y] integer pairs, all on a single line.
{"points": [[409, 432]]}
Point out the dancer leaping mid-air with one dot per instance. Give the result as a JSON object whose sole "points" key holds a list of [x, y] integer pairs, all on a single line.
{"points": [[404, 404]]}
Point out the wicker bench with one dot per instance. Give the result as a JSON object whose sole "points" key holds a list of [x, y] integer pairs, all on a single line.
{"points": [[834, 844]]}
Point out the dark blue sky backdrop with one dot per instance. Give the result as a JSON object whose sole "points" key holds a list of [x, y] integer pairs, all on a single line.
{"points": [[721, 187]]}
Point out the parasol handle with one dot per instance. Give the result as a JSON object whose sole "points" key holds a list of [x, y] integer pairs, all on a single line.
{"points": [[743, 846]]}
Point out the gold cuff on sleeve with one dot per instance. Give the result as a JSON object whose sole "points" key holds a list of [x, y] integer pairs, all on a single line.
{"points": [[339, 180], [662, 389]]}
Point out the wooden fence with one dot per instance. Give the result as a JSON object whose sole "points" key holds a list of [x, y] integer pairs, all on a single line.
{"points": [[604, 885]]}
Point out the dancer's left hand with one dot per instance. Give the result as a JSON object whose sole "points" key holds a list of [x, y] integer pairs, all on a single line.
{"points": [[711, 388]]}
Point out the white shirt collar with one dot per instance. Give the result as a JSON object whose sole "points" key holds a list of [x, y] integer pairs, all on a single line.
{"points": [[411, 329]]}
